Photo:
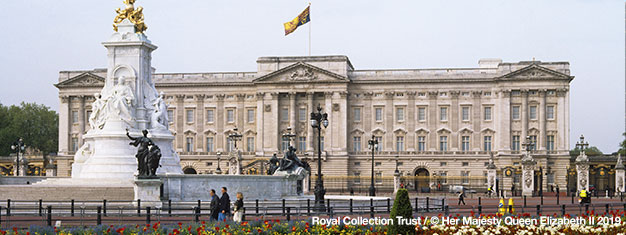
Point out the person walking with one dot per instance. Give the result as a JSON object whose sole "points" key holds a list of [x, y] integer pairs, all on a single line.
{"points": [[238, 215], [461, 197], [224, 205], [214, 206]]}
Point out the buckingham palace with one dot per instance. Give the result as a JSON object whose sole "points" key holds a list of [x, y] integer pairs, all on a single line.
{"points": [[443, 122]]}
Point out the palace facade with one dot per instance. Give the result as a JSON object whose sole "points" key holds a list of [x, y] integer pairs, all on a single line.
{"points": [[435, 122]]}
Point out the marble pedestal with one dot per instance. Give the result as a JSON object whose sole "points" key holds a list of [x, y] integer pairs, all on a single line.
{"points": [[491, 179], [619, 180], [147, 190], [528, 181], [582, 170], [396, 181]]}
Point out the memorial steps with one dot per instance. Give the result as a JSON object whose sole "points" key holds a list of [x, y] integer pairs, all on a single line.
{"points": [[67, 189]]}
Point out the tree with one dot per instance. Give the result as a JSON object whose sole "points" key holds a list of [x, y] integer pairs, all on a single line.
{"points": [[36, 124], [401, 208], [590, 151]]}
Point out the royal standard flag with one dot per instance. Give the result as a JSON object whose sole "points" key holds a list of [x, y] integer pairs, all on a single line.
{"points": [[303, 18]]}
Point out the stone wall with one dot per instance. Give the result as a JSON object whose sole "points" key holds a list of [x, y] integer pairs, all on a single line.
{"points": [[196, 187]]}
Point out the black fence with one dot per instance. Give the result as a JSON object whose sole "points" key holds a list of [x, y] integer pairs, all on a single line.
{"points": [[16, 213], [385, 184]]}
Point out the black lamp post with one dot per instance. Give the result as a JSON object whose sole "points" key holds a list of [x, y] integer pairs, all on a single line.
{"points": [[218, 170], [235, 136], [288, 137], [318, 120], [373, 145], [582, 145], [18, 146]]}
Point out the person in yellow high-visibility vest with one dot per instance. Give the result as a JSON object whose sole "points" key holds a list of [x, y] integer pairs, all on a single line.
{"points": [[510, 208], [583, 196], [501, 209]]}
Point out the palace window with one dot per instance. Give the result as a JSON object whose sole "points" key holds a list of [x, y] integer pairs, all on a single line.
{"points": [[533, 112], [189, 145], [210, 116], [230, 145], [379, 114], [250, 113], [515, 112], [399, 114], [443, 113], [378, 164], [357, 114], [230, 115], [302, 143], [464, 163], [465, 177], [357, 177], [465, 116], [250, 144], [356, 143], [284, 114], [379, 177], [74, 116], [550, 112], [189, 115], [210, 147], [74, 145], [379, 147], [421, 143], [302, 115], [443, 143], [421, 114], [550, 143], [515, 143], [487, 143], [487, 113], [443, 163], [284, 144], [444, 177], [170, 115], [399, 143], [533, 140], [357, 163], [465, 144]]}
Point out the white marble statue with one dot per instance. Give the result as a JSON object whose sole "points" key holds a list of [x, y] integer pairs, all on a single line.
{"points": [[121, 101], [97, 117], [158, 117]]}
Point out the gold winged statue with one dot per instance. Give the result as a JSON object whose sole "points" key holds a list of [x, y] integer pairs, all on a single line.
{"points": [[135, 16]]}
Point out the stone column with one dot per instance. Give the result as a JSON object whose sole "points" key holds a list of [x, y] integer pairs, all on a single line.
{"points": [[619, 175], [81, 119], [309, 129], [306, 182], [180, 122], [70, 125], [292, 112], [476, 120], [524, 113], [199, 123], [453, 120], [410, 122], [220, 146], [64, 127], [433, 121], [582, 170]]}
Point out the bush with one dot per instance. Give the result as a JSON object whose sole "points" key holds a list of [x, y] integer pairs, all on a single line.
{"points": [[401, 207]]}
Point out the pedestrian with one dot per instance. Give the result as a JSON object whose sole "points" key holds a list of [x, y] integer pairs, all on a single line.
{"points": [[224, 205], [513, 189], [214, 206], [583, 196], [238, 215], [461, 197]]}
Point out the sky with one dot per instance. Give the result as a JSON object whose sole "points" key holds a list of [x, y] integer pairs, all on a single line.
{"points": [[39, 38]]}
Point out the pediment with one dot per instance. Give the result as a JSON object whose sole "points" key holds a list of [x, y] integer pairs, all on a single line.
{"points": [[83, 80], [535, 72], [301, 73]]}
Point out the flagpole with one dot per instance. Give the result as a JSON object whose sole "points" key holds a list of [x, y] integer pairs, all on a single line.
{"points": [[309, 29]]}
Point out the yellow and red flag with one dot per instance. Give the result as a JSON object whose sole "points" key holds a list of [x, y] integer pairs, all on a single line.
{"points": [[301, 19]]}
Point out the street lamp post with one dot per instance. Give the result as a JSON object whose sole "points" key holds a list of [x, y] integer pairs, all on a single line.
{"points": [[373, 145], [18, 146], [288, 137], [218, 170], [582, 145], [235, 136], [319, 119]]}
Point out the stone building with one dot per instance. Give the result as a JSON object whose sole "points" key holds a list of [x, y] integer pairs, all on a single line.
{"points": [[435, 122]]}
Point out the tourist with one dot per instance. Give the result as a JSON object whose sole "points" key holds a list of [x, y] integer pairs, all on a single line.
{"points": [[238, 215], [461, 197], [224, 205], [214, 206]]}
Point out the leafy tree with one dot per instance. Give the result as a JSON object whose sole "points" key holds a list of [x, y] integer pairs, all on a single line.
{"points": [[401, 207], [36, 124], [590, 151]]}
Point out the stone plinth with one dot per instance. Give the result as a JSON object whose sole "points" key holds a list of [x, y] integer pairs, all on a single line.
{"points": [[147, 190], [619, 175], [582, 172], [528, 180], [396, 181]]}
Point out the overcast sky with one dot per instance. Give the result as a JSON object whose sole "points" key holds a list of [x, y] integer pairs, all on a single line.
{"points": [[38, 38]]}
